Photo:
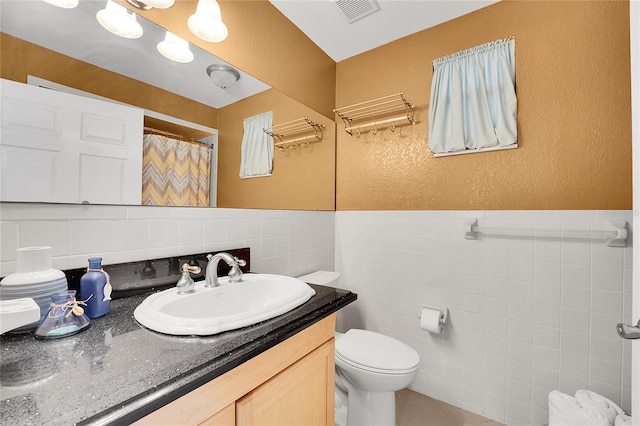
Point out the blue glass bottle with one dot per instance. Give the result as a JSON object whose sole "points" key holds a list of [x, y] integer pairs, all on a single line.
{"points": [[92, 290]]}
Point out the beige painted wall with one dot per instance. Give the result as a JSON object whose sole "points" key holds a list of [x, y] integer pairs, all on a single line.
{"points": [[302, 178], [574, 115], [263, 43]]}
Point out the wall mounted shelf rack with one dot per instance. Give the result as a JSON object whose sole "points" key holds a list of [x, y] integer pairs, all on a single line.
{"points": [[291, 134], [386, 111]]}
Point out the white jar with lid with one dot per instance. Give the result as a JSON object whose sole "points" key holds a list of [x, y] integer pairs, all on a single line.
{"points": [[34, 278]]}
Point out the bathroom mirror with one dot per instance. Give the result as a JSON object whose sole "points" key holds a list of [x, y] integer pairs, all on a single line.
{"points": [[179, 98]]}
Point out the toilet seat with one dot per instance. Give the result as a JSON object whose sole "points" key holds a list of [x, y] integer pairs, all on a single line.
{"points": [[376, 353], [376, 370]]}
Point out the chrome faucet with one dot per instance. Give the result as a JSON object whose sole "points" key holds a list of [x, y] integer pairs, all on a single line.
{"points": [[211, 274]]}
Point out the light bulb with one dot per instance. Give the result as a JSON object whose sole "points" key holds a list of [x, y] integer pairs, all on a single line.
{"points": [[67, 4], [119, 20], [159, 4], [175, 48], [207, 23]]}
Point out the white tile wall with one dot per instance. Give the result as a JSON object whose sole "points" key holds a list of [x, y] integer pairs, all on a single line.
{"points": [[526, 315], [281, 241]]}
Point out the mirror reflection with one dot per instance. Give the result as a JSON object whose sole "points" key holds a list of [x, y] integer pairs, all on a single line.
{"points": [[67, 50]]}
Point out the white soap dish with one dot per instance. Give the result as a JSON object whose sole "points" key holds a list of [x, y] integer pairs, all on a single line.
{"points": [[18, 312]]}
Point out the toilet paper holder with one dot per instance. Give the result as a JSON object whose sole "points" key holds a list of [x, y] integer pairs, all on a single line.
{"points": [[444, 313]]}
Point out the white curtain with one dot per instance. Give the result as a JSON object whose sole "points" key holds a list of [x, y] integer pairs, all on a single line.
{"points": [[473, 99], [257, 146]]}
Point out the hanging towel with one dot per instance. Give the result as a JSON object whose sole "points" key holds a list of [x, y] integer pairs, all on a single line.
{"points": [[565, 410], [589, 399], [623, 420], [592, 417]]}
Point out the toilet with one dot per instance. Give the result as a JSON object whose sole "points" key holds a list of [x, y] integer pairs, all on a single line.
{"points": [[370, 368]]}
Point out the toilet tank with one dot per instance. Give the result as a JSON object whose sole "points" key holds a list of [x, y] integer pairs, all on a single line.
{"points": [[321, 278]]}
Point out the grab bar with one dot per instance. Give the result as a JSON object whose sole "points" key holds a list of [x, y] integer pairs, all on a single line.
{"points": [[629, 331], [615, 234]]}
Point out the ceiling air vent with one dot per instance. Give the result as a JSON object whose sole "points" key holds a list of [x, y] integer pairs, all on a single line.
{"points": [[357, 9]]}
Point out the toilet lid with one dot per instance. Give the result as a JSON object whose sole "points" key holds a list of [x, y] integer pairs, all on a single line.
{"points": [[376, 352]]}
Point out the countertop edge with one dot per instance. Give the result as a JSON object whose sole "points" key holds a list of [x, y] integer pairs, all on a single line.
{"points": [[137, 407]]}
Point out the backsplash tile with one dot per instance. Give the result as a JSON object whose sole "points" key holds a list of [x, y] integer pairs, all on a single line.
{"points": [[537, 314], [49, 233], [282, 241], [94, 212], [90, 236], [9, 240], [163, 233], [14, 212], [131, 235]]}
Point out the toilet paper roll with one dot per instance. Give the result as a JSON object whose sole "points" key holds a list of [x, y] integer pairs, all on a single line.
{"points": [[430, 320]]}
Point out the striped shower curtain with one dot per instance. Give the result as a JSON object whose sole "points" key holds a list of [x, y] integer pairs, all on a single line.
{"points": [[175, 173]]}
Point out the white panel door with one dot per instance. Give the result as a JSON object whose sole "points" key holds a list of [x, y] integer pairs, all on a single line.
{"points": [[58, 147], [30, 145]]}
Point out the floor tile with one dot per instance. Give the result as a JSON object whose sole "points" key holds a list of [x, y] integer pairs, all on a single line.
{"points": [[415, 409]]}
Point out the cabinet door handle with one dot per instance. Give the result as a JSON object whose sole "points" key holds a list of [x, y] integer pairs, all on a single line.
{"points": [[629, 331]]}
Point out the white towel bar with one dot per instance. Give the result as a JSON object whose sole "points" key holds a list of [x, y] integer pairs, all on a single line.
{"points": [[615, 234]]}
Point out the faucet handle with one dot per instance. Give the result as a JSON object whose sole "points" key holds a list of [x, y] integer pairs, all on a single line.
{"points": [[186, 284], [193, 269], [235, 274]]}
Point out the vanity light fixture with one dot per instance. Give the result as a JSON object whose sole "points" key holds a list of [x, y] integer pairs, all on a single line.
{"points": [[207, 23], [139, 4], [119, 20], [67, 4], [223, 76], [148, 4], [175, 48]]}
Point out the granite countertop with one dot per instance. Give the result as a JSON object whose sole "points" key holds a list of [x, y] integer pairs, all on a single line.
{"points": [[118, 371]]}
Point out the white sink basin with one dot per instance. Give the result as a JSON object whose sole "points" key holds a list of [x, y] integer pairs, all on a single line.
{"points": [[207, 311]]}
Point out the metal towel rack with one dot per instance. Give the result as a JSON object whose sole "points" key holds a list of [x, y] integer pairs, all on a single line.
{"points": [[282, 134], [389, 110], [614, 235]]}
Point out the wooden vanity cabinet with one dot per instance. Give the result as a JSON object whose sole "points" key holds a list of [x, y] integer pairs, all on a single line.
{"points": [[224, 417], [291, 383], [296, 396]]}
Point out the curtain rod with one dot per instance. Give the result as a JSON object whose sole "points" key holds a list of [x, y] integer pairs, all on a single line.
{"points": [[151, 130]]}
